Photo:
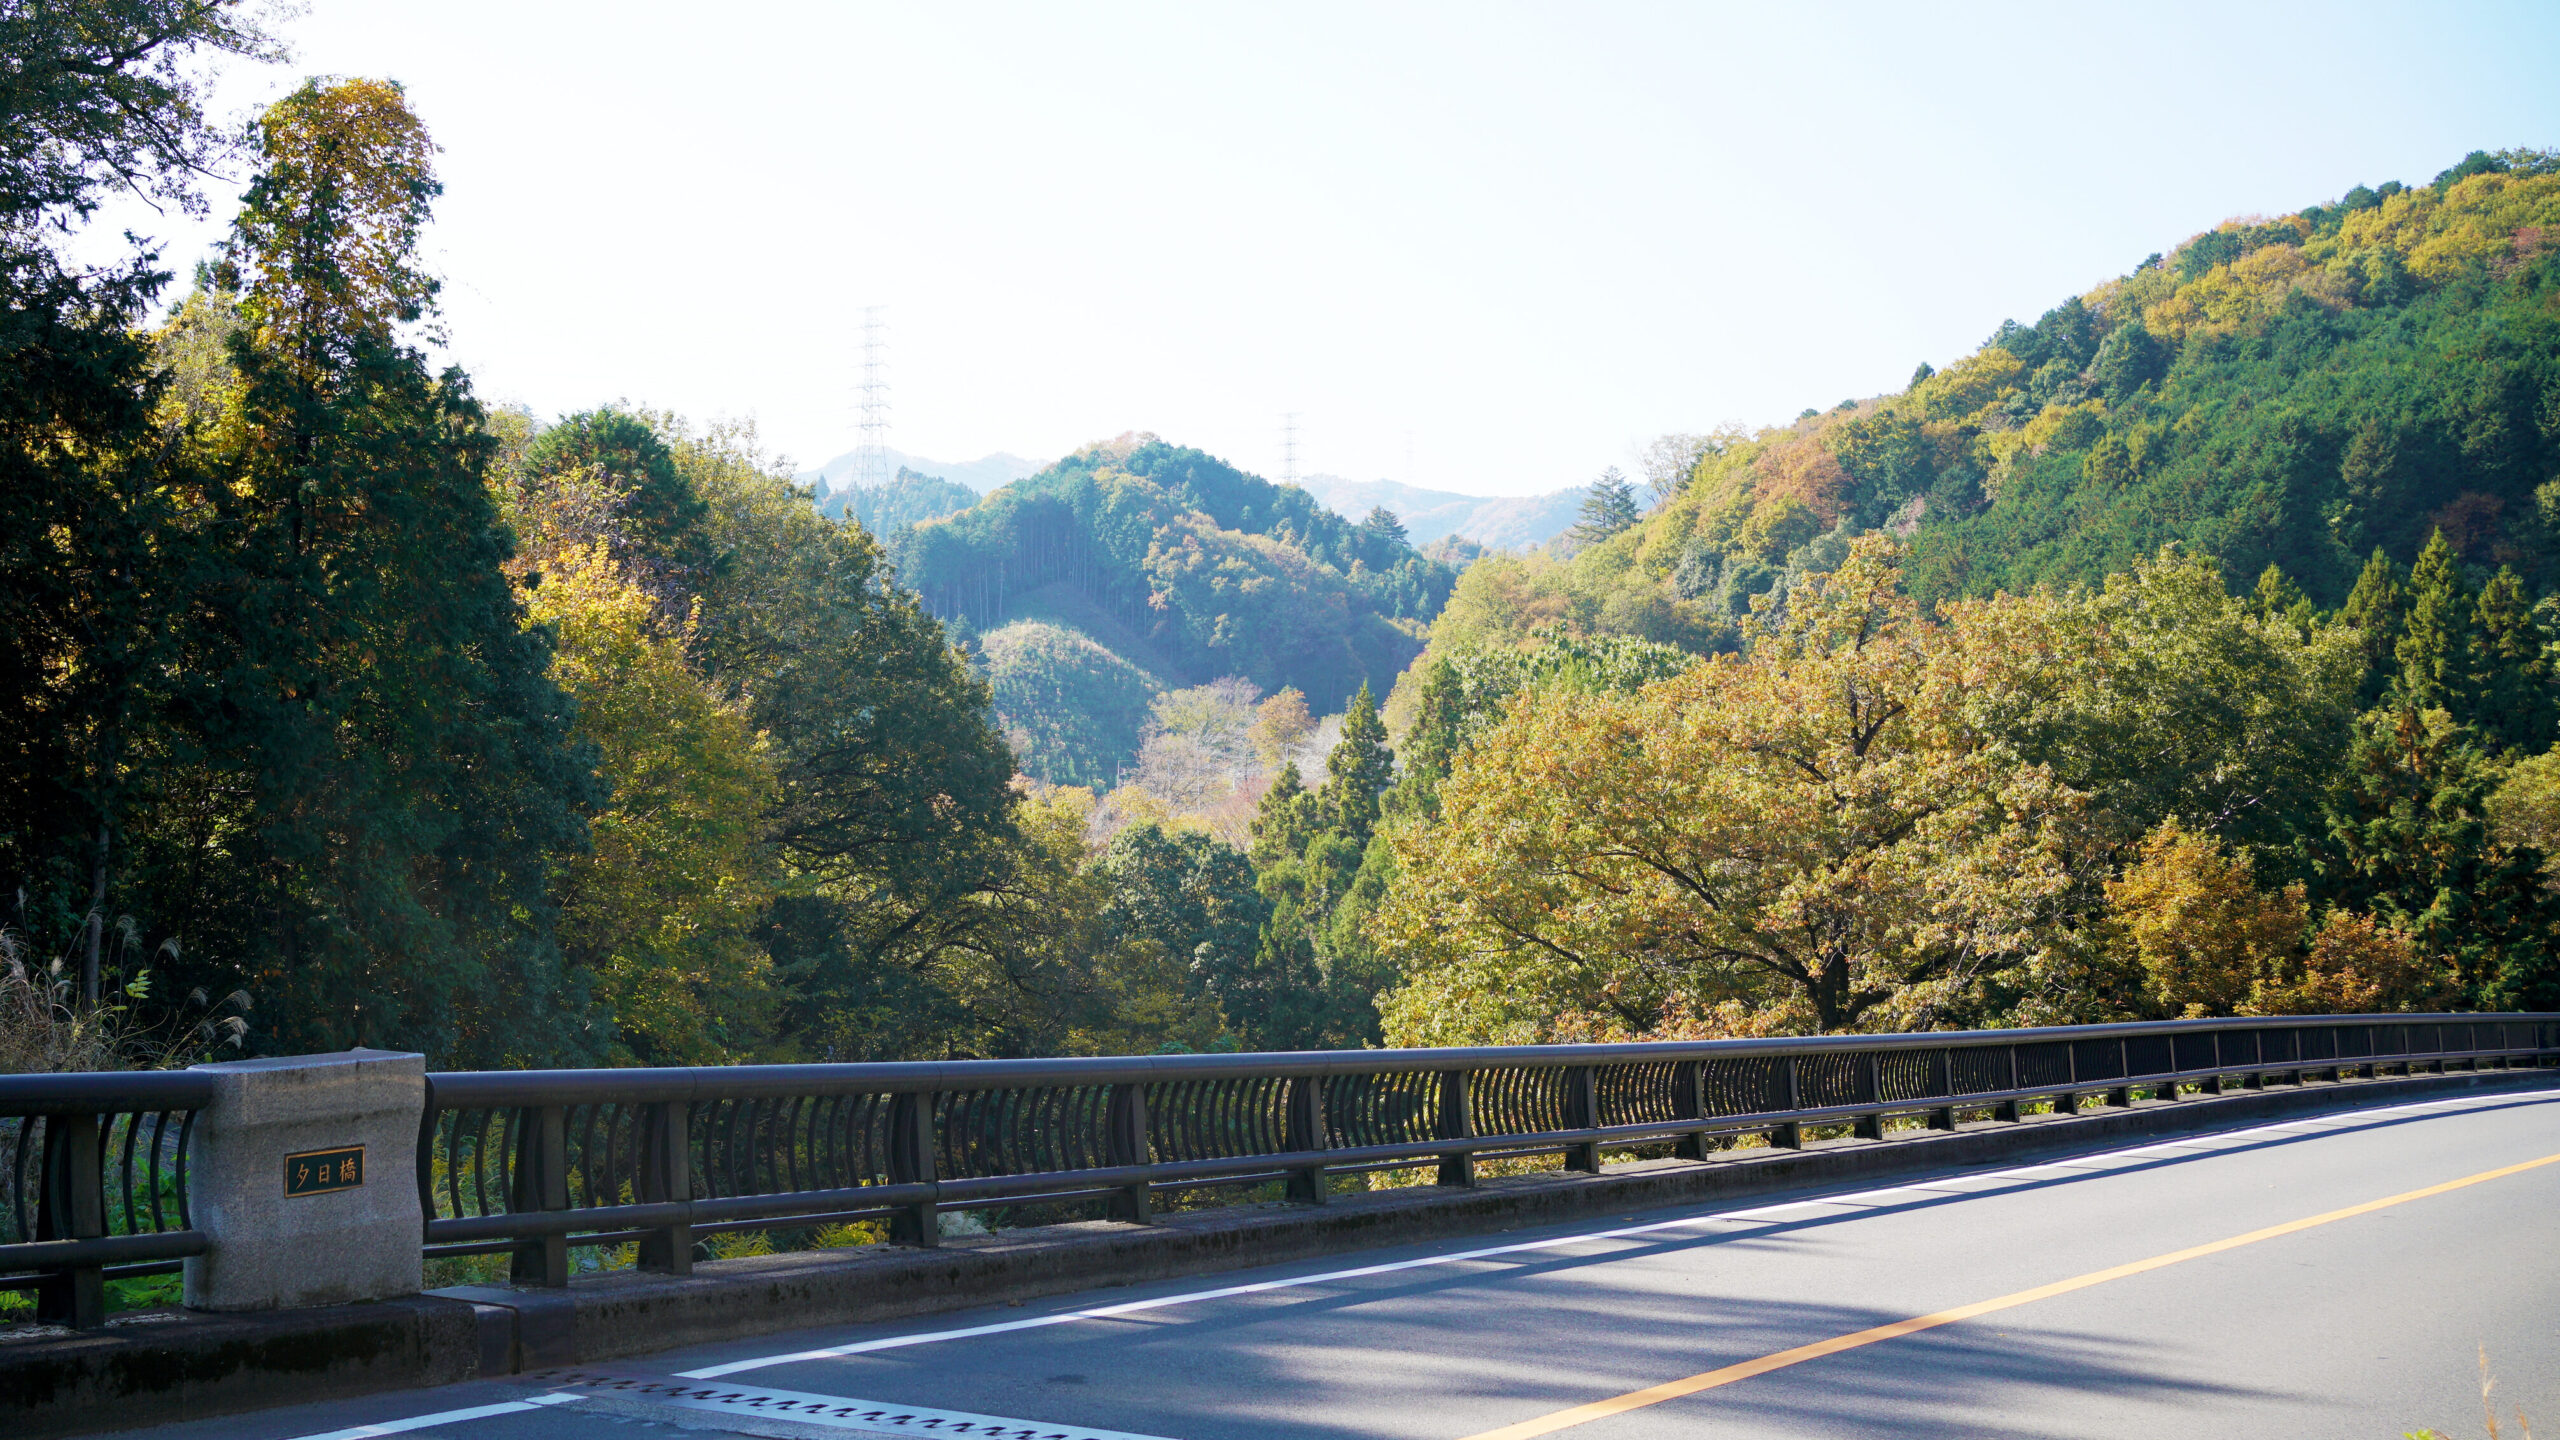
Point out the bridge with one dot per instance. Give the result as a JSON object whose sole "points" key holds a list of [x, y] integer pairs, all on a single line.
{"points": [[2299, 1227]]}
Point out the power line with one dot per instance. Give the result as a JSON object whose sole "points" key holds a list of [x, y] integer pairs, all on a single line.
{"points": [[871, 457]]}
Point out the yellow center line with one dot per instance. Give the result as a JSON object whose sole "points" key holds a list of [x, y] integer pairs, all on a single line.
{"points": [[1709, 1380]]}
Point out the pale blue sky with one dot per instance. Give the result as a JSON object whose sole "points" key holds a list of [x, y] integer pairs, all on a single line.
{"points": [[1511, 241]]}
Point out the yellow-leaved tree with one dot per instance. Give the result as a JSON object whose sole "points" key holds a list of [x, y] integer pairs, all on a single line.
{"points": [[660, 913], [2211, 942], [1812, 836]]}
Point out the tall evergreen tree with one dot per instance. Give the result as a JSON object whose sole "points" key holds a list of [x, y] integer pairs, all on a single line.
{"points": [[1357, 772], [1609, 508], [362, 671], [2409, 823], [2435, 648], [1430, 744], [2513, 683], [2377, 609], [1284, 818]]}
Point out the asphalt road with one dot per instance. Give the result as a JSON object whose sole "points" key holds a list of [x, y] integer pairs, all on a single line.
{"points": [[2363, 1324]]}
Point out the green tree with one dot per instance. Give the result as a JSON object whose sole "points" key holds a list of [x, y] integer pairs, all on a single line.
{"points": [[1817, 832], [1610, 508], [2435, 647], [2377, 610], [1357, 772], [1430, 743], [383, 766], [1382, 523], [95, 98], [2411, 822], [2515, 707], [1284, 819], [659, 517], [1196, 898]]}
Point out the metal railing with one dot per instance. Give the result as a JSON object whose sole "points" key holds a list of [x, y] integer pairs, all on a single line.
{"points": [[533, 1163], [96, 1179]]}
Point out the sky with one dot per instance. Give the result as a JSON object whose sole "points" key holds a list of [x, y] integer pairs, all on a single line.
{"points": [[1486, 248]]}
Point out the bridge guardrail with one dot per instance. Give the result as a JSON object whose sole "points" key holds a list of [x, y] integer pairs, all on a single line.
{"points": [[96, 1184], [534, 1163]]}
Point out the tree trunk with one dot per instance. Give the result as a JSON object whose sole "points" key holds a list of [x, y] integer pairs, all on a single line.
{"points": [[97, 919]]}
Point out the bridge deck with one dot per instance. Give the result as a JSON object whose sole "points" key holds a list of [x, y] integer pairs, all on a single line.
{"points": [[2362, 1323]]}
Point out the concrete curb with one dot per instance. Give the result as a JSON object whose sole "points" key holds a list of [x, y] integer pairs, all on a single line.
{"points": [[158, 1370], [201, 1365]]}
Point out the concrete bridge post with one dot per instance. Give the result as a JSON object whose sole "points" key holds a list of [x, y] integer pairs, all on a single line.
{"points": [[302, 1171]]}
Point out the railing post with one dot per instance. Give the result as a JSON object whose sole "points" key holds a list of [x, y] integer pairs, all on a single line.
{"points": [[666, 1174], [541, 1183], [1790, 1136], [1581, 1112], [2122, 1095], [2213, 1082], [1944, 1117], [911, 1162], [1306, 1132], [1457, 1122], [1124, 1140], [2009, 1108], [1870, 1126], [72, 1206], [1689, 1102]]}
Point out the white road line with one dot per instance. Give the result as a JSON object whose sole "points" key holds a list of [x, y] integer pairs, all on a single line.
{"points": [[443, 1417], [2076, 1166]]}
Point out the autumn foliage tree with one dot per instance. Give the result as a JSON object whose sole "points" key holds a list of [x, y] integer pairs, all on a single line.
{"points": [[2211, 942], [1816, 826]]}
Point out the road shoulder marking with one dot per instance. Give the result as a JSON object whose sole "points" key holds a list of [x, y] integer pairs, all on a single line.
{"points": [[443, 1417]]}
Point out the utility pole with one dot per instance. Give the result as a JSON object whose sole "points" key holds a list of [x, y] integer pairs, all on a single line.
{"points": [[1289, 448], [871, 457]]}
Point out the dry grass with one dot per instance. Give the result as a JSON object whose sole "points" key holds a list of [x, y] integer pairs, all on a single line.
{"points": [[45, 1029], [2488, 1410]]}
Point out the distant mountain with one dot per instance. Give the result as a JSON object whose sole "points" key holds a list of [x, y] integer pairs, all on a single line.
{"points": [[985, 475], [910, 499], [1496, 522]]}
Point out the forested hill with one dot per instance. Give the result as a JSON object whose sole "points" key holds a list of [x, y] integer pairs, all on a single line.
{"points": [[2295, 391], [911, 498], [1176, 564]]}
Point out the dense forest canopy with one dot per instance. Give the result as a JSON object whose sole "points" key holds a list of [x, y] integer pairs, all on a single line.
{"points": [[2190, 651], [2297, 391]]}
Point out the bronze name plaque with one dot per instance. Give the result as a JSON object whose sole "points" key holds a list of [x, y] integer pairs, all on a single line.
{"points": [[317, 1172]]}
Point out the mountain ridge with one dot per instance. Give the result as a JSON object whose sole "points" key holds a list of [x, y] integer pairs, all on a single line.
{"points": [[1497, 522], [984, 475]]}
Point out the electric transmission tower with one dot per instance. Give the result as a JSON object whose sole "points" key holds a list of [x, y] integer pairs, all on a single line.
{"points": [[1289, 448], [871, 457]]}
